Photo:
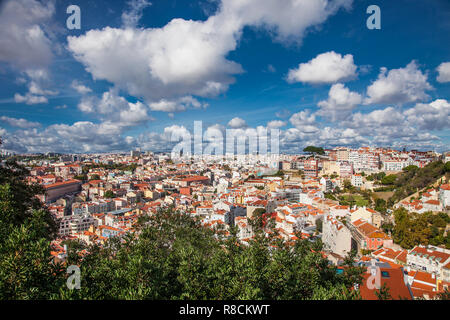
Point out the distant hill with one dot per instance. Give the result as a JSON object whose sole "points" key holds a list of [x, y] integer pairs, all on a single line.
{"points": [[413, 179]]}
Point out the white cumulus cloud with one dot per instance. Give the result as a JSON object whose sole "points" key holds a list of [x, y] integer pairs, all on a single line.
{"points": [[187, 57], [444, 72], [20, 123], [237, 123], [23, 41], [328, 67], [341, 101], [399, 86]]}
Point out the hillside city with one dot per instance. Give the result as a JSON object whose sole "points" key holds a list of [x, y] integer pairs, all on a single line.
{"points": [[364, 200]]}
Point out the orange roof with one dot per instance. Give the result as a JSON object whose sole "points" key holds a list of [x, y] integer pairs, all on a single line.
{"points": [[59, 184], [417, 292], [425, 277], [394, 282], [94, 181], [195, 178], [431, 253]]}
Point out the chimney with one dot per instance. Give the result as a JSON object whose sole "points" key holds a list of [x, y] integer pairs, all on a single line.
{"points": [[433, 276]]}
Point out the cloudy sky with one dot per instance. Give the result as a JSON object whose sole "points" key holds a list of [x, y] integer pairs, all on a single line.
{"points": [[139, 71]]}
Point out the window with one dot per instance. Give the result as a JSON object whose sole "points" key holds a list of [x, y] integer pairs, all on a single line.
{"points": [[385, 274]]}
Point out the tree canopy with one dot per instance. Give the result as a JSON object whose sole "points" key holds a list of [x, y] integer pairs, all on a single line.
{"points": [[412, 229], [170, 255], [314, 150], [26, 268]]}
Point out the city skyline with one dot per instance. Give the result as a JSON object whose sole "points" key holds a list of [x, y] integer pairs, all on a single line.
{"points": [[312, 69]]}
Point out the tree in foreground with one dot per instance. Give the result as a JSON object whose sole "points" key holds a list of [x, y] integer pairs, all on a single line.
{"points": [[169, 256], [172, 256], [26, 267]]}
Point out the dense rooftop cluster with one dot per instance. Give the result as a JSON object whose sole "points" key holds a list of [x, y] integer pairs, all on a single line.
{"points": [[98, 197]]}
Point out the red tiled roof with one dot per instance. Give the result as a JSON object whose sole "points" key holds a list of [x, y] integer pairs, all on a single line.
{"points": [[195, 178], [395, 283], [59, 184], [434, 202]]}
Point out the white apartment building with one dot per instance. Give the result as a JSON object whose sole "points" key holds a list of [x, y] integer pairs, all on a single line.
{"points": [[339, 211], [69, 225], [205, 211], [326, 184], [357, 180], [445, 272], [245, 230], [429, 259], [432, 205], [345, 169], [395, 165], [353, 157], [444, 195], [336, 237], [369, 161], [447, 157]]}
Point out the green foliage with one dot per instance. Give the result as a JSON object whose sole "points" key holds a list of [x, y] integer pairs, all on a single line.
{"points": [[410, 181], [95, 177], [353, 199], [26, 270], [376, 176], [250, 177], [347, 185], [383, 293], [81, 177], [170, 256], [446, 294], [447, 166], [381, 205], [387, 227], [109, 194], [314, 150], [259, 212], [365, 252], [413, 229], [19, 202], [174, 257], [330, 196], [319, 225], [384, 189], [411, 168], [279, 173], [389, 179]]}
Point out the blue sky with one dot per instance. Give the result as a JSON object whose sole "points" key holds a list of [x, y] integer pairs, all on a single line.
{"points": [[138, 71]]}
